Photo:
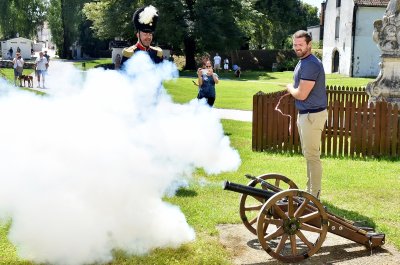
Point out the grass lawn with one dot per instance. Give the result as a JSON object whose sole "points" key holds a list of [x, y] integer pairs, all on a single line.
{"points": [[233, 93], [236, 93], [91, 63], [9, 76]]}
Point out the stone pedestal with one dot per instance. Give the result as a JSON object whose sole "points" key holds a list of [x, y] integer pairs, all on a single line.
{"points": [[386, 86]]}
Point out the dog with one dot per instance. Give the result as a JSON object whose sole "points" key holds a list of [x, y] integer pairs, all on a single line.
{"points": [[26, 78]]}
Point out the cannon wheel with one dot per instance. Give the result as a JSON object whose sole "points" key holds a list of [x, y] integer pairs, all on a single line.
{"points": [[250, 206], [296, 228]]}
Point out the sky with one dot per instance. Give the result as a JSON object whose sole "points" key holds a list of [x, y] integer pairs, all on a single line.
{"points": [[316, 3]]}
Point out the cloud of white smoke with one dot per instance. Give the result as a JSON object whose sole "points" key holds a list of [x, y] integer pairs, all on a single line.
{"points": [[83, 171]]}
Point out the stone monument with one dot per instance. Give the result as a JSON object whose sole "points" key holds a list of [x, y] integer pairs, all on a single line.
{"points": [[386, 87]]}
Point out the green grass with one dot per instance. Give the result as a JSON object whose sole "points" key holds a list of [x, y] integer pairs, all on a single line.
{"points": [[9, 76], [89, 64], [360, 190], [234, 93]]}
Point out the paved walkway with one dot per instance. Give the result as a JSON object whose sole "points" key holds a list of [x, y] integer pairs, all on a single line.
{"points": [[233, 114]]}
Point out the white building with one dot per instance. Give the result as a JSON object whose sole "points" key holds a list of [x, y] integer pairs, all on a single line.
{"points": [[314, 31], [44, 36], [348, 45], [25, 45]]}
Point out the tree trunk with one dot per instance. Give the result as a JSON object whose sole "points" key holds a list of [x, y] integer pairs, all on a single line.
{"points": [[65, 50], [190, 48]]}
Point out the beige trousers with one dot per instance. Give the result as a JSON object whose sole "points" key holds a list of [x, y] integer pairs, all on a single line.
{"points": [[310, 126]]}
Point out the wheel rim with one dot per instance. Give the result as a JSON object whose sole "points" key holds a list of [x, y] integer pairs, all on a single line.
{"points": [[250, 206], [291, 229]]}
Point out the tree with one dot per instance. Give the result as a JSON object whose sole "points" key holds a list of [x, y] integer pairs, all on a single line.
{"points": [[195, 26], [22, 17], [281, 19], [190, 26], [65, 19]]}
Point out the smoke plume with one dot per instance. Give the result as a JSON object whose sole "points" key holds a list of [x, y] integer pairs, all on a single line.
{"points": [[83, 171]]}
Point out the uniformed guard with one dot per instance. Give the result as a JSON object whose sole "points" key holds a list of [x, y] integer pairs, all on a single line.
{"points": [[145, 21]]}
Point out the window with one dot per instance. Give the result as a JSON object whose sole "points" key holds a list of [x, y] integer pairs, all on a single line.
{"points": [[337, 25], [338, 3]]}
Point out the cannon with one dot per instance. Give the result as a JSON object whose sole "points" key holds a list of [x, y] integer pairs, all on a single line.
{"points": [[292, 224]]}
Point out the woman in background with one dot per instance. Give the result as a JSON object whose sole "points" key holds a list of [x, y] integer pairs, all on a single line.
{"points": [[207, 80]]}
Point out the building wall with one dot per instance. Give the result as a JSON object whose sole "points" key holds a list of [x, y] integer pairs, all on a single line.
{"points": [[366, 51], [314, 31], [24, 44], [343, 44], [44, 36], [362, 58]]}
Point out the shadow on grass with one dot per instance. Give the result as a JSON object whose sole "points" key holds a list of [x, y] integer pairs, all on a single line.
{"points": [[183, 192], [325, 255], [358, 219]]}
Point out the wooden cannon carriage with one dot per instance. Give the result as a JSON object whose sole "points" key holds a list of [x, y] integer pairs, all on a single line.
{"points": [[291, 224]]}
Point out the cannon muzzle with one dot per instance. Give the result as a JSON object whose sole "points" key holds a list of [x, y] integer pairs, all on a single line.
{"points": [[265, 194]]}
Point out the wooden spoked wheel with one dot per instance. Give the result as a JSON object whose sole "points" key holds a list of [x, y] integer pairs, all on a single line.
{"points": [[250, 206], [292, 225]]}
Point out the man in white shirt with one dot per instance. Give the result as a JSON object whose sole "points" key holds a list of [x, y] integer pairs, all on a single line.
{"points": [[217, 62], [41, 65]]}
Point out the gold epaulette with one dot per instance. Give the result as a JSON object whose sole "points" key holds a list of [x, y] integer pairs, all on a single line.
{"points": [[128, 52], [159, 51]]}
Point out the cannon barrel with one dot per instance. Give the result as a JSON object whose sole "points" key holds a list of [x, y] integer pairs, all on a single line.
{"points": [[265, 194]]}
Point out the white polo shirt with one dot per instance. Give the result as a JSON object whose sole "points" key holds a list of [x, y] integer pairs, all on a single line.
{"points": [[41, 63]]}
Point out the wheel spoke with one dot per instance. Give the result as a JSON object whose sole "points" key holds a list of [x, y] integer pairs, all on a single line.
{"points": [[281, 244], [277, 181], [308, 217], [265, 223], [290, 206], [293, 244], [275, 234], [253, 207], [279, 212], [304, 239], [277, 222], [301, 209], [252, 221], [311, 228]]}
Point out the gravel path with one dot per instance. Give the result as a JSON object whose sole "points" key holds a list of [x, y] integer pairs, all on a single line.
{"points": [[246, 250]]}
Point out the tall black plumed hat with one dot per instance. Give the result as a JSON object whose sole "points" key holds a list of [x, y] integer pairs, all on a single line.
{"points": [[145, 19]]}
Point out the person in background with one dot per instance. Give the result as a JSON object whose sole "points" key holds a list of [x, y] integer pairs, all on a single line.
{"points": [[48, 59], [117, 62], [18, 64], [145, 21], [309, 91], [226, 64], [207, 80], [10, 53], [41, 65], [237, 71], [217, 62]]}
